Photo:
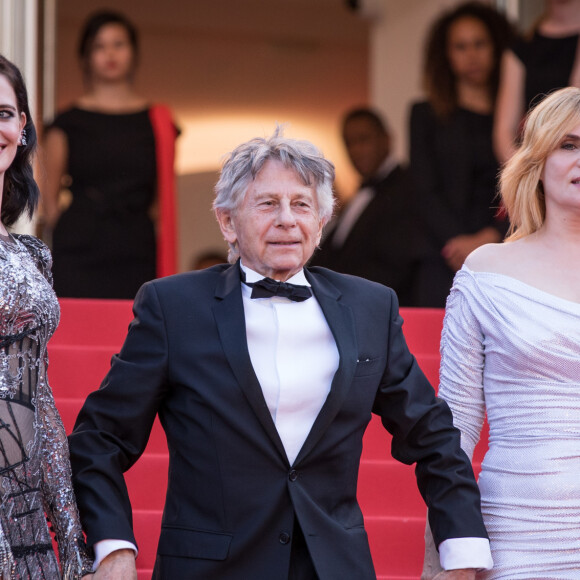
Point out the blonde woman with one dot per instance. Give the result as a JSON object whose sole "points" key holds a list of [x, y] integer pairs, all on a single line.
{"points": [[511, 347]]}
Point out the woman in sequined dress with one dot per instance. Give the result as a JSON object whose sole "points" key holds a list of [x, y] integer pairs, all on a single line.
{"points": [[511, 347], [34, 466]]}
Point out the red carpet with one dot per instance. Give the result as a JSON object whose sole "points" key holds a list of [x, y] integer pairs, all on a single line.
{"points": [[91, 331]]}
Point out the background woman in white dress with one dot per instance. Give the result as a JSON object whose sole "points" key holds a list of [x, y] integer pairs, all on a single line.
{"points": [[511, 346]]}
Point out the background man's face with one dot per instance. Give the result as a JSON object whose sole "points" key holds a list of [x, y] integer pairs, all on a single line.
{"points": [[366, 145], [277, 226]]}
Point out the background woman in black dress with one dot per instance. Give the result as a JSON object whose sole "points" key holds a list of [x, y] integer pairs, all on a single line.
{"points": [[546, 59], [453, 166], [104, 243]]}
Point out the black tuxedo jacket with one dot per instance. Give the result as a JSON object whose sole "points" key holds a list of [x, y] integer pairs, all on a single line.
{"points": [[385, 243], [232, 495]]}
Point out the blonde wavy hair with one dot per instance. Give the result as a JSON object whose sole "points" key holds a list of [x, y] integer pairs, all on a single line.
{"points": [[522, 191]]}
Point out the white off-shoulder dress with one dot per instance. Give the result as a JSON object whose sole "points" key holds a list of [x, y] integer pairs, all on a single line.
{"points": [[514, 351]]}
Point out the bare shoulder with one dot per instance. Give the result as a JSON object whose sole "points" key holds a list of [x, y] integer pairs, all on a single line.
{"points": [[498, 258], [486, 257]]}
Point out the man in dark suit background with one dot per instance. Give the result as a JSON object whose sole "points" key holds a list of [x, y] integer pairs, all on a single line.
{"points": [[264, 374], [376, 236]]}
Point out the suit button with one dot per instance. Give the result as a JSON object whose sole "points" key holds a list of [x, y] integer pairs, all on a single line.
{"points": [[284, 538], [293, 475]]}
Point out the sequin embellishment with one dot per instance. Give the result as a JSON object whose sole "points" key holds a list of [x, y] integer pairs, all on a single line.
{"points": [[35, 474]]}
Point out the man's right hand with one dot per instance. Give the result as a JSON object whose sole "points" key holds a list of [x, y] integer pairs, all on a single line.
{"points": [[464, 574], [118, 565]]}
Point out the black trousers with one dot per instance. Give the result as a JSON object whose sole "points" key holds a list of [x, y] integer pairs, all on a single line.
{"points": [[301, 566]]}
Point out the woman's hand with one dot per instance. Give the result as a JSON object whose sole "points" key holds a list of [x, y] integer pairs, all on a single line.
{"points": [[456, 250], [463, 574]]}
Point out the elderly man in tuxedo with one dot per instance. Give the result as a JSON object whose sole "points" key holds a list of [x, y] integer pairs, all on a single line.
{"points": [[264, 374]]}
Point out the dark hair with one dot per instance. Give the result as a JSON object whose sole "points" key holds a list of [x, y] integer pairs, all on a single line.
{"points": [[20, 194], [369, 115], [92, 27], [438, 78]]}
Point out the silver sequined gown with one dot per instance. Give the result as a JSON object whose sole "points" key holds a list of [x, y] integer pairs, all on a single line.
{"points": [[515, 350], [35, 476]]}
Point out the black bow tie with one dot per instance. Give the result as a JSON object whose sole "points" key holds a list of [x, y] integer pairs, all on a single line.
{"points": [[266, 288]]}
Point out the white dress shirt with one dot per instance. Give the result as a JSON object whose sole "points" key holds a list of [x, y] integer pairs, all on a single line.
{"points": [[294, 356]]}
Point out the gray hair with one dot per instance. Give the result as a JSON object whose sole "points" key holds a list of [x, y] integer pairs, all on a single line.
{"points": [[244, 163]]}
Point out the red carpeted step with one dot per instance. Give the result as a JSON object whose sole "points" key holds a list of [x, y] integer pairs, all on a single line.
{"points": [[389, 488], [429, 364], [145, 574], [422, 328], [377, 440], [91, 331], [377, 443], [147, 525], [384, 487], [397, 544], [77, 370], [104, 323], [147, 481], [93, 322], [69, 409]]}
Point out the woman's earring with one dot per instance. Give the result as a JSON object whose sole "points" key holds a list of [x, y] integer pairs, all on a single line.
{"points": [[23, 141]]}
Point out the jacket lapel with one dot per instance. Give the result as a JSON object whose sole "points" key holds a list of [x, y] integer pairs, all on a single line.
{"points": [[229, 316], [341, 322]]}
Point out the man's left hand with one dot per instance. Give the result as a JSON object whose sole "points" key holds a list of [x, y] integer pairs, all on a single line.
{"points": [[463, 574]]}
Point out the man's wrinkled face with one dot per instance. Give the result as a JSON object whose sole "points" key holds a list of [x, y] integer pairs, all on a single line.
{"points": [[277, 225]]}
